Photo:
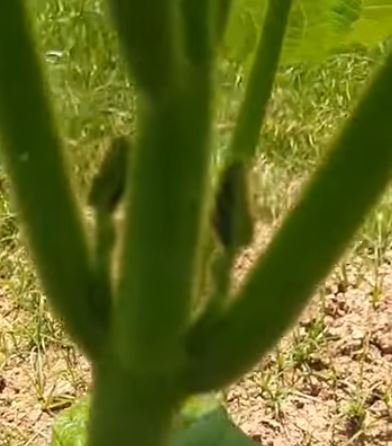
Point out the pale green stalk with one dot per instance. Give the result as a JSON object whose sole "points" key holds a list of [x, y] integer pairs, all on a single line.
{"points": [[261, 80]]}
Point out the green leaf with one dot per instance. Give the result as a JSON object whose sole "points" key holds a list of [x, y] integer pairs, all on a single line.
{"points": [[70, 426], [315, 30], [310, 31], [213, 429], [243, 28], [345, 13], [374, 24], [202, 421], [196, 408]]}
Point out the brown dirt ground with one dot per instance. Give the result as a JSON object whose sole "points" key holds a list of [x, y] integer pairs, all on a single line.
{"points": [[329, 382]]}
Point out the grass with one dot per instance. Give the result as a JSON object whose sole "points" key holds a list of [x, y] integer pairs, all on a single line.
{"points": [[42, 371]]}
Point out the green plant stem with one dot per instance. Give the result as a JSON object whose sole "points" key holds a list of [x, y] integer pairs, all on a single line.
{"points": [[166, 207], [221, 276], [309, 242], [104, 243], [163, 220], [261, 80], [149, 32], [32, 153], [198, 29], [129, 409], [222, 14]]}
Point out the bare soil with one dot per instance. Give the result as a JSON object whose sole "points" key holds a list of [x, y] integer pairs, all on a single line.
{"points": [[329, 381]]}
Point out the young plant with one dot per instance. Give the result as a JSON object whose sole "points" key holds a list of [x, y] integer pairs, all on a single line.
{"points": [[150, 351]]}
